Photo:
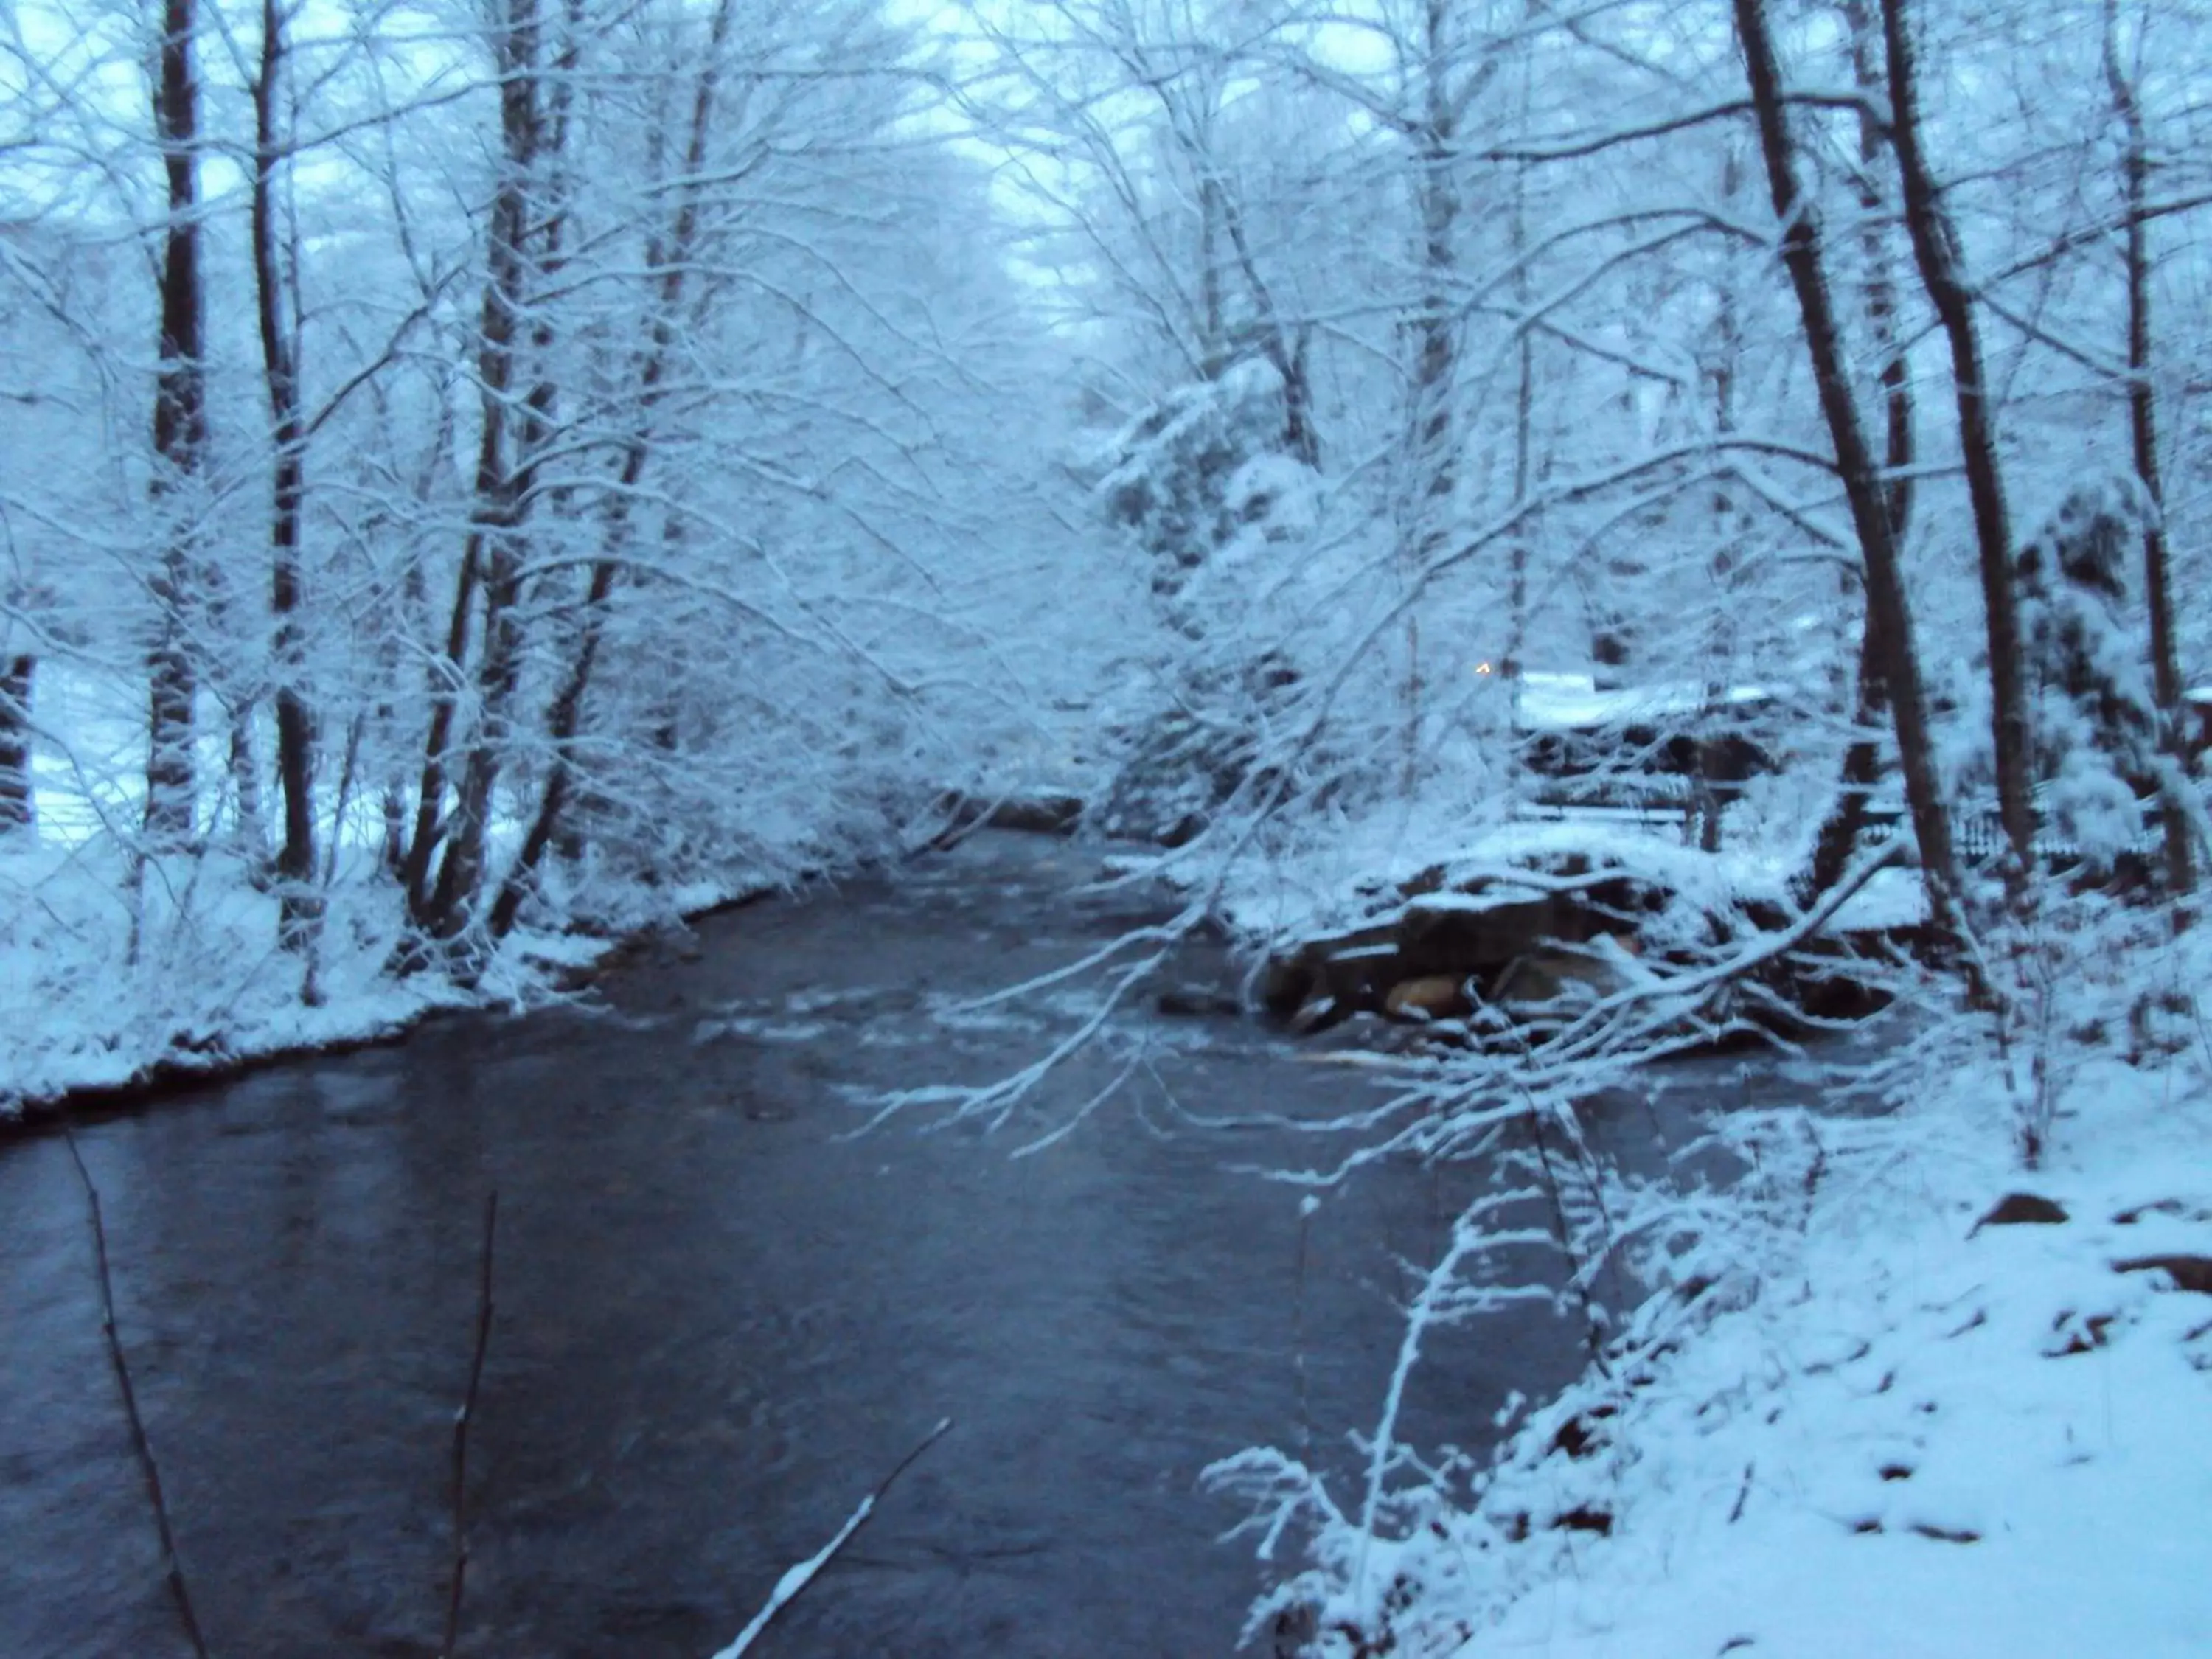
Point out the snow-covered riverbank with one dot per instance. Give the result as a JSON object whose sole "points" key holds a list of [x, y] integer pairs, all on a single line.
{"points": [[118, 973], [207, 989], [1902, 1397]]}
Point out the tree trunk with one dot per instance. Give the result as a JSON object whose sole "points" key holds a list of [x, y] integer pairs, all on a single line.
{"points": [[1213, 346], [1862, 766], [249, 828], [1435, 347], [180, 442], [533, 136], [1285, 347], [18, 802], [2143, 422], [1509, 659], [1862, 771], [490, 562], [1721, 639], [1935, 248], [295, 726], [669, 258], [493, 368], [562, 723], [499, 671], [1889, 615]]}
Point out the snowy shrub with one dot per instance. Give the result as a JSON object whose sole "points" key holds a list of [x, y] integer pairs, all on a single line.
{"points": [[1203, 487], [1181, 477], [2095, 724], [1843, 1366]]}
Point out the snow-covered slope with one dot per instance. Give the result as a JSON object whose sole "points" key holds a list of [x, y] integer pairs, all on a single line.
{"points": [[1891, 1407]]}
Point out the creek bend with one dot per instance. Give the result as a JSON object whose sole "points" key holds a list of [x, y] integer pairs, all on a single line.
{"points": [[721, 1317]]}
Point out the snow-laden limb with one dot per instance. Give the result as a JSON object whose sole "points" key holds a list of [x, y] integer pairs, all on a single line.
{"points": [[796, 1578], [994, 1101]]}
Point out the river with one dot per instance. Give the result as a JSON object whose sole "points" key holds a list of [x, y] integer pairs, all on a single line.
{"points": [[721, 1315]]}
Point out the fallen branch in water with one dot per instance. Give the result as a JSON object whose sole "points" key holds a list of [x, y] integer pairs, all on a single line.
{"points": [[170, 1565], [797, 1578], [461, 1433]]}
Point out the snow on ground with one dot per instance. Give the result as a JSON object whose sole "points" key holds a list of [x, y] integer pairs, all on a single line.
{"points": [[1866, 1426], [206, 986], [1345, 881], [1574, 702], [1931, 1439]]}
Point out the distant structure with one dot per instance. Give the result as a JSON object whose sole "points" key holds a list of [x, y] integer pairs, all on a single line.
{"points": [[1641, 746]]}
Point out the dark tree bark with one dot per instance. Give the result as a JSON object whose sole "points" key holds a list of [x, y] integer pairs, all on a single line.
{"points": [[1935, 249], [1213, 346], [491, 556], [2143, 423], [295, 725], [533, 135], [670, 257], [1220, 219], [1710, 797], [18, 805], [1861, 772], [447, 674], [249, 832], [1862, 766], [412, 620], [1285, 346], [1514, 761], [1889, 615], [180, 439]]}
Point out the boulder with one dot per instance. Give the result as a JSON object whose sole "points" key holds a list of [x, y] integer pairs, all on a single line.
{"points": [[1042, 814], [1553, 981], [1038, 815], [1447, 947], [1354, 970], [2017, 1209], [2188, 1272], [1431, 996], [1438, 935]]}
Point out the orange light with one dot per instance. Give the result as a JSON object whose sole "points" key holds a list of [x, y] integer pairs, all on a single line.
{"points": [[1482, 668]]}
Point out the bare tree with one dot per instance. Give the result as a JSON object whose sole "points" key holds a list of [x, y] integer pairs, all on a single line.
{"points": [[1889, 615], [669, 260], [179, 437], [295, 725], [1861, 763], [523, 240], [2143, 430], [1936, 247], [17, 803]]}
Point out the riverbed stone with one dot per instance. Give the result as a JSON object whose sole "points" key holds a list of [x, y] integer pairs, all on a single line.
{"points": [[2018, 1209], [1431, 996], [2188, 1272]]}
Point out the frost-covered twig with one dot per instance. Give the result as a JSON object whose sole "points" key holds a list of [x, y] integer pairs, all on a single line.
{"points": [[461, 1420], [798, 1577], [172, 1569], [996, 1101]]}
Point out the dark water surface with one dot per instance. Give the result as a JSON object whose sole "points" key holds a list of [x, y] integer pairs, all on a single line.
{"points": [[720, 1320]]}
